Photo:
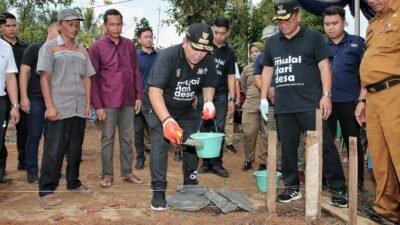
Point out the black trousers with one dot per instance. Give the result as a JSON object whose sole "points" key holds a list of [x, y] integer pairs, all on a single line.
{"points": [[189, 121], [140, 126], [221, 105], [4, 118], [22, 136], [63, 137], [344, 113], [289, 128]]}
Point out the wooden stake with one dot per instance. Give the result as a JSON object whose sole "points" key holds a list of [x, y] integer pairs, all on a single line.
{"points": [[271, 194], [353, 180]]}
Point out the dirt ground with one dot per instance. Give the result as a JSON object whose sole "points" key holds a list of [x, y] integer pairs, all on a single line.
{"points": [[126, 203]]}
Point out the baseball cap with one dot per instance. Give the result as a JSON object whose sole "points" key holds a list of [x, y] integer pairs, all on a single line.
{"points": [[284, 9], [69, 14], [269, 31], [200, 36]]}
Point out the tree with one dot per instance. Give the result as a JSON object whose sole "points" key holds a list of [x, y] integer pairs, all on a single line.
{"points": [[90, 28]]}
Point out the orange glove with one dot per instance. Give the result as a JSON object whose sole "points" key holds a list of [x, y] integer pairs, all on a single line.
{"points": [[208, 110], [172, 131]]}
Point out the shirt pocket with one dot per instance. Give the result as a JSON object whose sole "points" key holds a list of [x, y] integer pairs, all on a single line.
{"points": [[389, 40]]}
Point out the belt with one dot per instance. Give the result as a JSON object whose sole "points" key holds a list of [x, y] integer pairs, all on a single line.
{"points": [[384, 84]]}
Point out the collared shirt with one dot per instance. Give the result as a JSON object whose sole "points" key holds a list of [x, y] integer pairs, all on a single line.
{"points": [[18, 49], [252, 102], [181, 83], [225, 64], [117, 81], [67, 68], [345, 64], [7, 64], [146, 62], [382, 55]]}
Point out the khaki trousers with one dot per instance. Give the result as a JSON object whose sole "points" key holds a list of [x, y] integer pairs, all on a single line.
{"points": [[229, 135], [383, 133]]}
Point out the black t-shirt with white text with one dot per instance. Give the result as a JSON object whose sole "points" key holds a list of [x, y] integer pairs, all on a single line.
{"points": [[297, 77], [225, 64], [179, 82]]}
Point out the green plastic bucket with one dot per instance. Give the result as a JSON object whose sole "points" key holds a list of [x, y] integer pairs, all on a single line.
{"points": [[211, 144], [262, 179]]}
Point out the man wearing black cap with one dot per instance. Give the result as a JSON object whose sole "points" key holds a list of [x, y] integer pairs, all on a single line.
{"points": [[298, 59], [8, 80], [178, 75], [65, 69]]}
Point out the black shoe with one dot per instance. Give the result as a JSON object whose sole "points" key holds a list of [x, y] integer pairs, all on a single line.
{"points": [[158, 202], [220, 171], [231, 149], [139, 164], [32, 178], [4, 180], [289, 195], [204, 168], [246, 165], [339, 199], [361, 188], [178, 156], [376, 217], [262, 167], [21, 166]]}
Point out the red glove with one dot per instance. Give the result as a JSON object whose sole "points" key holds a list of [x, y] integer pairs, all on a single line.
{"points": [[208, 110], [172, 131]]}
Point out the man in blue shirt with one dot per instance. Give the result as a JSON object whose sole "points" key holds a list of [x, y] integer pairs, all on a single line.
{"points": [[146, 57], [347, 51]]}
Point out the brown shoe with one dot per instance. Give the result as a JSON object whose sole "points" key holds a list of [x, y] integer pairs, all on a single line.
{"points": [[50, 200], [82, 190], [106, 181], [132, 178]]}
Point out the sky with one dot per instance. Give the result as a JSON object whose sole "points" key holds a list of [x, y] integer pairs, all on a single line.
{"points": [[167, 35]]}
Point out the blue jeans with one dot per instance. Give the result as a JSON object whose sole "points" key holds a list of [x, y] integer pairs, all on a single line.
{"points": [[35, 130]]}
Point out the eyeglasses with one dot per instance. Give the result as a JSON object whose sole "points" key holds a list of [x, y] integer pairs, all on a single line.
{"points": [[288, 21]]}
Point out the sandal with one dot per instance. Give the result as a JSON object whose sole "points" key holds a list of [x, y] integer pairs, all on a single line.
{"points": [[106, 181], [50, 200], [82, 190]]}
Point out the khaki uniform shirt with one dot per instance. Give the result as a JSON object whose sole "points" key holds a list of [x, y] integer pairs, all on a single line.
{"points": [[382, 56], [249, 88]]}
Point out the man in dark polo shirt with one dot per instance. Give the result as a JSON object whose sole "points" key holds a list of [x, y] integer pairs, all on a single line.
{"points": [[298, 59], [179, 73], [10, 29], [32, 102], [347, 51], [224, 93]]}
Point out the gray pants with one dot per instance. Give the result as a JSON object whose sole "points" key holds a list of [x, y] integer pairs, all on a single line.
{"points": [[122, 117]]}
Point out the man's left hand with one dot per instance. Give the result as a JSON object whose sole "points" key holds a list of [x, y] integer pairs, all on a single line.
{"points": [[138, 106], [231, 107], [88, 111], [325, 105], [208, 110]]}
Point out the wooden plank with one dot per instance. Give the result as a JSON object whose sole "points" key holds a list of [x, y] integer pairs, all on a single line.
{"points": [[319, 129], [311, 185], [271, 194], [353, 180], [343, 213]]}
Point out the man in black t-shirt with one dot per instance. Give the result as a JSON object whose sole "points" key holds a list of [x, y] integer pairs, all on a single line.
{"points": [[298, 60], [225, 64], [178, 75], [32, 102]]}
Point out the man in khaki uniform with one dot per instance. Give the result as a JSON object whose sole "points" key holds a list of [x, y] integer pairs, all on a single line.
{"points": [[380, 75]]}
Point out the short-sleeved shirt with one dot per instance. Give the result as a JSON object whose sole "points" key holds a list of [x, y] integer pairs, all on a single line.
{"points": [[7, 64], [30, 59], [345, 65], [67, 68], [382, 55], [252, 102], [298, 86], [146, 62], [18, 49], [225, 64], [181, 83]]}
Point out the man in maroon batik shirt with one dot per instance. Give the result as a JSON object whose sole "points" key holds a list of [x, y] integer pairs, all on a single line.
{"points": [[116, 95]]}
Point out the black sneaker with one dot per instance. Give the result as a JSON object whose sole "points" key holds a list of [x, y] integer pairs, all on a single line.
{"points": [[32, 178], [21, 166], [289, 195], [231, 149], [339, 199], [158, 202], [220, 171], [246, 165], [262, 167], [139, 164], [205, 168]]}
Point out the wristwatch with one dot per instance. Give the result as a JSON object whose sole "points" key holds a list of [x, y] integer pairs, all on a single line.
{"points": [[361, 100], [232, 99], [327, 94], [15, 105]]}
